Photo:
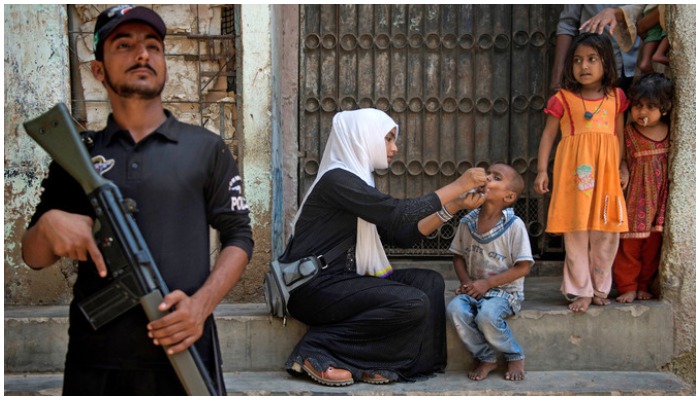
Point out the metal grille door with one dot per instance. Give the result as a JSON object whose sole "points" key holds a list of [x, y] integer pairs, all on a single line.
{"points": [[466, 84]]}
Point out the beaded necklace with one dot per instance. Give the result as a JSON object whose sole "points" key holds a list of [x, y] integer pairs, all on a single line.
{"points": [[587, 114]]}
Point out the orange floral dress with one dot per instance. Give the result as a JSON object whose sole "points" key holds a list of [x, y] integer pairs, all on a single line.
{"points": [[586, 192]]}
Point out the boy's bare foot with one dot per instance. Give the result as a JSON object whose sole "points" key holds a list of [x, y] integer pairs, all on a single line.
{"points": [[600, 301], [482, 370], [580, 304], [644, 295], [516, 370], [627, 297]]}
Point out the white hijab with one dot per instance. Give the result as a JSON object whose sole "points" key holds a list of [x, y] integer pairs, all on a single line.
{"points": [[356, 144]]}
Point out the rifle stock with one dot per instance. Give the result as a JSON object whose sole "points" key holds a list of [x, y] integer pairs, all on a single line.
{"points": [[132, 272], [56, 133]]}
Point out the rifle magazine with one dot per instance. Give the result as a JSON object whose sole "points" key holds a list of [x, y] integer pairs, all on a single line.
{"points": [[110, 302]]}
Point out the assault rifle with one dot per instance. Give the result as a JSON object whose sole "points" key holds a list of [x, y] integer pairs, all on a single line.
{"points": [[132, 273]]}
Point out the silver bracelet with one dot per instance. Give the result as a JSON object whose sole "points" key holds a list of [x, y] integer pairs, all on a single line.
{"points": [[442, 218], [449, 214], [444, 215]]}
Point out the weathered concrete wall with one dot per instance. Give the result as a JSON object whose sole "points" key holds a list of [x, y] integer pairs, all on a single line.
{"points": [[285, 61], [256, 139], [182, 91], [36, 78], [678, 278]]}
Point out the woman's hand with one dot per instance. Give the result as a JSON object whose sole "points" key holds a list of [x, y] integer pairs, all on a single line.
{"points": [[542, 182], [607, 17], [472, 178], [470, 201]]}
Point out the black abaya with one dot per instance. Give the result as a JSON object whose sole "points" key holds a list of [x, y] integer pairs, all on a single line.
{"points": [[393, 326]]}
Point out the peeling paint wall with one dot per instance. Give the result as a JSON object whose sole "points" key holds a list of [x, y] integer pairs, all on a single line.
{"points": [[256, 123], [678, 258], [285, 54], [36, 78]]}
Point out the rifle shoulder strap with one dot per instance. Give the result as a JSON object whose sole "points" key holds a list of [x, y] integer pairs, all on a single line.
{"points": [[87, 138]]}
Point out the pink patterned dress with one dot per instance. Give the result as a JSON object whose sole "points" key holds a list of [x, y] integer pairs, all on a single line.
{"points": [[648, 186]]}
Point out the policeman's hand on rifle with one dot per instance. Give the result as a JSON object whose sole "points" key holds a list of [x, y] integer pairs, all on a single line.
{"points": [[182, 327], [61, 234]]}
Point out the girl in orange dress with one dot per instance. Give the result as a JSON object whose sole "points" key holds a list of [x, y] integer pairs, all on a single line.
{"points": [[587, 206], [647, 145]]}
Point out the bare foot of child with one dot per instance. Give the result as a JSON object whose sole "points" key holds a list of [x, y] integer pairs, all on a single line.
{"points": [[580, 304], [644, 295], [627, 297], [516, 370], [600, 301], [482, 370]]}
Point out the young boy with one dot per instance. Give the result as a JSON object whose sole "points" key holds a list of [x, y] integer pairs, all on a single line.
{"points": [[492, 257]]}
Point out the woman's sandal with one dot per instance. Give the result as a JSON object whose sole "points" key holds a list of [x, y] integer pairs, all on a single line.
{"points": [[375, 379], [331, 376]]}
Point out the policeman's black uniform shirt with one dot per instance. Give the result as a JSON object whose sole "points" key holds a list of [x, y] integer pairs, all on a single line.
{"points": [[183, 179]]}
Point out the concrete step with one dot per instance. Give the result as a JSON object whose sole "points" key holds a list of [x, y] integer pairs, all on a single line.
{"points": [[542, 383], [618, 337]]}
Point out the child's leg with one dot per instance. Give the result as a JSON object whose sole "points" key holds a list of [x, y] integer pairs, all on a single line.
{"points": [[626, 269], [645, 55], [661, 54], [490, 318], [462, 311], [577, 273], [650, 258], [602, 254]]}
